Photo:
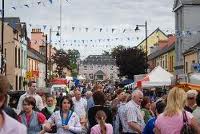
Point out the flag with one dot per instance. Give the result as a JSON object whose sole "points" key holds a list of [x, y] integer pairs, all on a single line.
{"points": [[44, 26], [124, 30], [26, 5], [73, 28], [113, 30], [51, 1], [14, 8], [86, 29], [39, 2]]}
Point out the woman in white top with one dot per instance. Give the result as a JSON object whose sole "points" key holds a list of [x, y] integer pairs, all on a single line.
{"points": [[8, 125], [66, 121]]}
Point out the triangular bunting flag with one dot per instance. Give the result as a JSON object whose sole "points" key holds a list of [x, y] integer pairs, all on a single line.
{"points": [[113, 30], [86, 29], [51, 1], [124, 30], [39, 2], [44, 26], [26, 5], [14, 8], [73, 28]]}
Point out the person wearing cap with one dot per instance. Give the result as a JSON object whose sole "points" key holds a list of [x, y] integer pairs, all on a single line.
{"points": [[196, 112], [8, 125], [191, 100]]}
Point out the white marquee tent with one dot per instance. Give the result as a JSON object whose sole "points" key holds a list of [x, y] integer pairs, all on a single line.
{"points": [[157, 77]]}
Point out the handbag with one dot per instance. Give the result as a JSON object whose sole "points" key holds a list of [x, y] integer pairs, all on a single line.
{"points": [[187, 128]]}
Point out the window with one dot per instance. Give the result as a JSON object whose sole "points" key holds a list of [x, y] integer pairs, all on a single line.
{"points": [[22, 62], [85, 76], [111, 68], [91, 67], [5, 63], [111, 76], [91, 76], [186, 67], [16, 82], [165, 61], [85, 67], [15, 56], [19, 64]]}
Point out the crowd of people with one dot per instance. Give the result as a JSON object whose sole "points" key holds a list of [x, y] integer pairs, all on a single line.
{"points": [[99, 111]]}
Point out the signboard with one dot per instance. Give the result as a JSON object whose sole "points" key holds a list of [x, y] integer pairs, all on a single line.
{"points": [[32, 74]]}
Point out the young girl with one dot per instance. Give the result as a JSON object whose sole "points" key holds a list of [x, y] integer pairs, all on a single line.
{"points": [[102, 127]]}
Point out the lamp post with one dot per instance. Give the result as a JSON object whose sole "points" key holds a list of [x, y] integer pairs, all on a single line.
{"points": [[50, 40], [2, 37], [136, 29]]}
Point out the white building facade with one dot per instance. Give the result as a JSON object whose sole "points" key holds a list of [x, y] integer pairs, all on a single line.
{"points": [[99, 68], [187, 26]]}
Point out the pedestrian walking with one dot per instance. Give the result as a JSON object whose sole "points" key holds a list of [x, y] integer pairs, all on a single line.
{"points": [[32, 119], [30, 92], [171, 120], [66, 120], [102, 127], [8, 125]]}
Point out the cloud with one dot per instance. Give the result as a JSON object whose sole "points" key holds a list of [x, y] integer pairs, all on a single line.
{"points": [[96, 13]]}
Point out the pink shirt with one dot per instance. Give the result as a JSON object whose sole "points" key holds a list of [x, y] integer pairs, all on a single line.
{"points": [[171, 125], [97, 130]]}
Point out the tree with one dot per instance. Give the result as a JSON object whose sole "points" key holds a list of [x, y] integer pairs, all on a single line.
{"points": [[74, 55], [61, 59], [131, 61], [105, 53], [117, 50]]}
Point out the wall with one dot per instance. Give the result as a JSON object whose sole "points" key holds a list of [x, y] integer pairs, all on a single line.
{"points": [[188, 59], [153, 39], [187, 19]]}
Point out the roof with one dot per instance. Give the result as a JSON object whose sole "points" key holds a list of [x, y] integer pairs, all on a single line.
{"points": [[157, 30], [180, 3], [193, 49], [99, 72], [15, 23], [99, 60], [164, 48], [32, 53]]}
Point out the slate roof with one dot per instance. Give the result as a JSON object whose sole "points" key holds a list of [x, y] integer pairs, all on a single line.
{"points": [[99, 73], [15, 23], [33, 54], [157, 30], [185, 2], [170, 45], [194, 48], [99, 60]]}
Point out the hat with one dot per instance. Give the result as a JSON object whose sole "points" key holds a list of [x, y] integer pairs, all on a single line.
{"points": [[192, 93]]}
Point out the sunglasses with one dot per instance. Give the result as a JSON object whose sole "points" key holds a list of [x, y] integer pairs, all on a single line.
{"points": [[190, 98]]}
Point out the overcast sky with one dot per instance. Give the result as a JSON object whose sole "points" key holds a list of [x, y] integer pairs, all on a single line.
{"points": [[105, 14]]}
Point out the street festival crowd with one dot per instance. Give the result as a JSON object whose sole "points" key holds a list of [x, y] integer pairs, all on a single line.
{"points": [[100, 109]]}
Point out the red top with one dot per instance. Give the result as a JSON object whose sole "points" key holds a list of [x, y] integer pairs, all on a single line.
{"points": [[41, 118]]}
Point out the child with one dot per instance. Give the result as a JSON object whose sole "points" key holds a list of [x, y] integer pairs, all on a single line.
{"points": [[102, 127]]}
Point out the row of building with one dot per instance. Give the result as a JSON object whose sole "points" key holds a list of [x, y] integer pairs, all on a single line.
{"points": [[177, 53], [24, 57]]}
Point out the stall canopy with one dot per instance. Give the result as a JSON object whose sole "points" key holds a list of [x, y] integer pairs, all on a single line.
{"points": [[157, 77], [195, 78]]}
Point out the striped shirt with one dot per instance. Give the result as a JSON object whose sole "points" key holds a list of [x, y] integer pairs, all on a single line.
{"points": [[132, 114]]}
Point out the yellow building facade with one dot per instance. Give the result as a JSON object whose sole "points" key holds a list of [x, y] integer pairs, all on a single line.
{"points": [[152, 40]]}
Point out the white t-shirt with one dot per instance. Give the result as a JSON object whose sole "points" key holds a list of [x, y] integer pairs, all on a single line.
{"points": [[38, 99], [80, 107], [12, 126]]}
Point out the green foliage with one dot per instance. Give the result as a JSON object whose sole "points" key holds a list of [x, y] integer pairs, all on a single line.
{"points": [[61, 59], [131, 61], [106, 53]]}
